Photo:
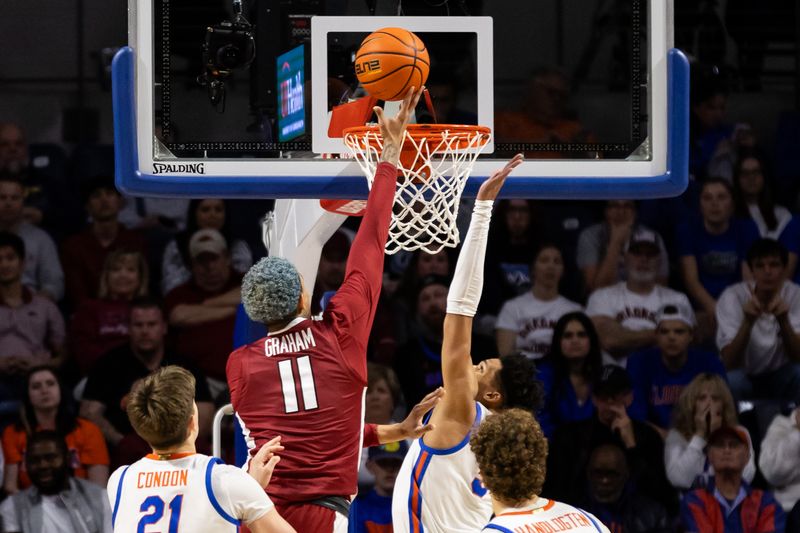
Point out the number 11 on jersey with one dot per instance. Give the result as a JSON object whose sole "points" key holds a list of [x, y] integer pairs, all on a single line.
{"points": [[307, 386]]}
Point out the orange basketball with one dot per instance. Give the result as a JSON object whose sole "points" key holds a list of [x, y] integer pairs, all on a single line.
{"points": [[390, 61]]}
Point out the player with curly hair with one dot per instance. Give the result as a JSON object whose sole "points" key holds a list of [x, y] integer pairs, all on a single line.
{"points": [[438, 489], [511, 451]]}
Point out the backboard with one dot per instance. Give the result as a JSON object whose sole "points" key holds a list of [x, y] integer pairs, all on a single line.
{"points": [[590, 90]]}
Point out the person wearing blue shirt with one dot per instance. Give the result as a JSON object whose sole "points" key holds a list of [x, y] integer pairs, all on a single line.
{"points": [[372, 512], [713, 248], [567, 372], [659, 374]]}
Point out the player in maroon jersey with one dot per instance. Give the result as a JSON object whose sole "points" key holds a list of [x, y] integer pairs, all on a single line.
{"points": [[306, 380]]}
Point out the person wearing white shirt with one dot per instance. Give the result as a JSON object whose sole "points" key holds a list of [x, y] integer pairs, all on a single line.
{"points": [[625, 314], [758, 325], [525, 323], [704, 406], [780, 458]]}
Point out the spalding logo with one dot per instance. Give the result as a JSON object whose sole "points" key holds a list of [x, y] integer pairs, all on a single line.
{"points": [[364, 67], [186, 168]]}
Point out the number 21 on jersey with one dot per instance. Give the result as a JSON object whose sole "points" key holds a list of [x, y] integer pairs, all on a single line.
{"points": [[289, 384], [153, 506]]}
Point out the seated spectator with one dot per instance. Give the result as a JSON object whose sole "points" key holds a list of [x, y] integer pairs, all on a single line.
{"points": [[43, 271], [203, 310], [380, 403], [44, 408], [726, 502], [708, 129], [752, 193], [210, 213], [513, 239], [758, 326], [331, 269], [573, 442], [373, 511], [545, 115], [779, 460], [625, 314], [525, 324], [31, 326], [84, 254], [101, 324], [659, 374], [602, 247], [614, 501], [568, 371], [419, 362], [57, 501], [111, 379], [165, 216], [704, 406], [713, 248], [41, 175]]}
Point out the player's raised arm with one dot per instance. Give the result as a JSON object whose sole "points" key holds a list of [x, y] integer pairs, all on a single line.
{"points": [[364, 272], [458, 405]]}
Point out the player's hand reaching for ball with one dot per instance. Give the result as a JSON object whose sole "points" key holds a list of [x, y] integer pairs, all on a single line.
{"points": [[393, 128], [491, 187], [263, 463]]}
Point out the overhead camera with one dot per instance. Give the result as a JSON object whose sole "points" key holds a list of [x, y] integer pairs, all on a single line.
{"points": [[228, 46]]}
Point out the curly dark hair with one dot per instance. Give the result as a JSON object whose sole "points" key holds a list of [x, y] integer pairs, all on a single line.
{"points": [[511, 451], [518, 383]]}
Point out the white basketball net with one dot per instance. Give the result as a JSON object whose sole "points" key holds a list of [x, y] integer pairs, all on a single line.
{"points": [[432, 174]]}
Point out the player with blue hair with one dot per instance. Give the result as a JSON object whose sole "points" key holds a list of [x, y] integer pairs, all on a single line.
{"points": [[306, 380]]}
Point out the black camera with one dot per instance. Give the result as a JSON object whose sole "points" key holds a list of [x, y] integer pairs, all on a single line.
{"points": [[228, 46]]}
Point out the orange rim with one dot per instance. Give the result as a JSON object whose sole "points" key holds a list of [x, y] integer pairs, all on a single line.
{"points": [[462, 134]]}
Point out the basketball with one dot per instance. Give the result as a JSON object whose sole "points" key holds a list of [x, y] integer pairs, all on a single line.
{"points": [[390, 61]]}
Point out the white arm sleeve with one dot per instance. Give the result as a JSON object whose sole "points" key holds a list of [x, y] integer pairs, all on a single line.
{"points": [[465, 290]]}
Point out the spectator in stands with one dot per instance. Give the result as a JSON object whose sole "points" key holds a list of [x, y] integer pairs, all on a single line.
{"points": [[703, 407], [513, 239], [707, 125], [210, 213], [31, 327], [713, 249], [382, 399], [779, 460], [331, 269], [758, 329], [43, 271], [567, 373], [101, 324], [46, 408], [57, 501], [372, 511], [659, 374], [573, 442], [525, 324], [727, 503], [625, 313], [83, 254], [203, 310], [112, 377], [545, 116], [602, 247], [41, 178], [752, 192], [165, 216], [419, 362], [614, 501]]}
